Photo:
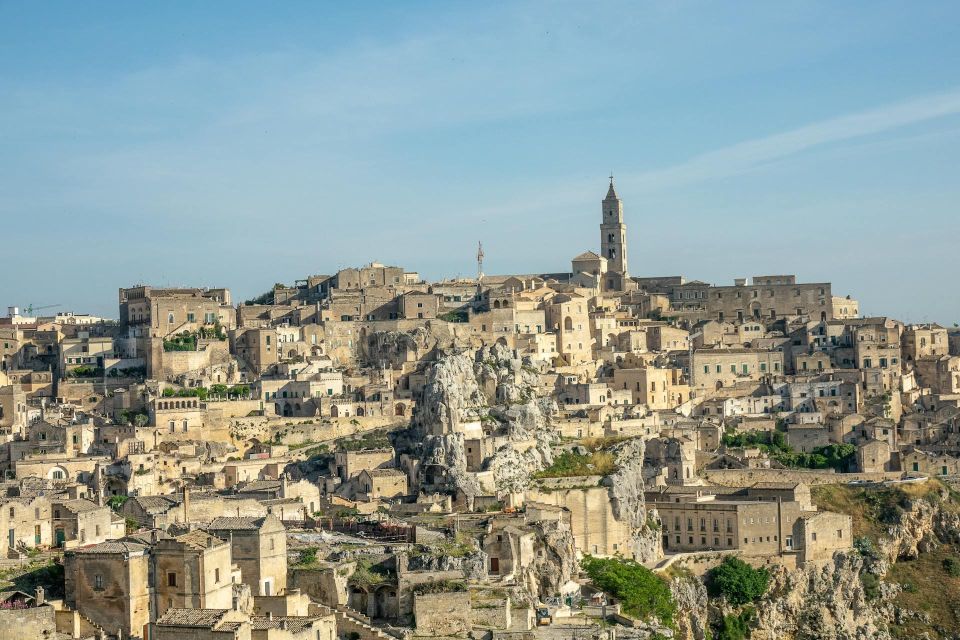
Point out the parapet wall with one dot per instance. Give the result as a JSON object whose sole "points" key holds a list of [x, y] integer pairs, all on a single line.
{"points": [[747, 477]]}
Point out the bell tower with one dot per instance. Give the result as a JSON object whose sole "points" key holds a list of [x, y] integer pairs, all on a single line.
{"points": [[613, 232]]}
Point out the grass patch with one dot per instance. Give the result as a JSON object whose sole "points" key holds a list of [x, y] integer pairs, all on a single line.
{"points": [[928, 586], [369, 440], [570, 463], [874, 509]]}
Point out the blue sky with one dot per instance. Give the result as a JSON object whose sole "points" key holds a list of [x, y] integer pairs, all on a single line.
{"points": [[241, 144]]}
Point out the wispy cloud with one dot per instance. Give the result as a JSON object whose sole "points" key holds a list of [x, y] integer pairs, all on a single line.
{"points": [[748, 155], [732, 160]]}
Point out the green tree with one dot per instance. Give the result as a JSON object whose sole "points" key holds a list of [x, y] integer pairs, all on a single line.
{"points": [[738, 581], [641, 592]]}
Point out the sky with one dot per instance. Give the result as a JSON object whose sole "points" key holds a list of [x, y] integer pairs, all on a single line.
{"points": [[240, 144]]}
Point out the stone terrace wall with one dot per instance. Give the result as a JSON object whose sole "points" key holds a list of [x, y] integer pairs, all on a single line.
{"points": [[28, 624], [442, 614], [747, 477]]}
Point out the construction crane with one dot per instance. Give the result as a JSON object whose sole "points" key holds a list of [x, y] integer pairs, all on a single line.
{"points": [[30, 308]]}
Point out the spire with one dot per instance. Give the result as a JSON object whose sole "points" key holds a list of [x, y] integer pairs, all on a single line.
{"points": [[611, 192]]}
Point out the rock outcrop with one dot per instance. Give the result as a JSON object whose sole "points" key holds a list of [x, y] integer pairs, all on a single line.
{"points": [[830, 601], [489, 392], [555, 560]]}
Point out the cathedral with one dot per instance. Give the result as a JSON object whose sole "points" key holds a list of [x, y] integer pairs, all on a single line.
{"points": [[607, 271]]}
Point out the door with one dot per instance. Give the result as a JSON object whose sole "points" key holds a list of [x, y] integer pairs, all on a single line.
{"points": [[494, 565], [12, 538], [61, 537]]}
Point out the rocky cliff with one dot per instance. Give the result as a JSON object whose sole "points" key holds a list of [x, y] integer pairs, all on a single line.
{"points": [[496, 390], [846, 598], [626, 487]]}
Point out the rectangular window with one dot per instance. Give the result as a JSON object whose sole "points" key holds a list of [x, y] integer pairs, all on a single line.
{"points": [[171, 579], [98, 582]]}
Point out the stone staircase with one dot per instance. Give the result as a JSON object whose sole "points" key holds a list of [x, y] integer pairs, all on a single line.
{"points": [[351, 622]]}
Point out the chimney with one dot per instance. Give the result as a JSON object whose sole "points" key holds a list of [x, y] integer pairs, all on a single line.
{"points": [[38, 596], [269, 615]]}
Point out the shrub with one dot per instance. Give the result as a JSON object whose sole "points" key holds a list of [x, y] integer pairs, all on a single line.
{"points": [[871, 585], [735, 627], [738, 581], [641, 592], [308, 557], [952, 567]]}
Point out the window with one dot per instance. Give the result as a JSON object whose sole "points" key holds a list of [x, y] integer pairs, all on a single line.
{"points": [[170, 318], [216, 575], [171, 579], [813, 536], [98, 582], [191, 317]]}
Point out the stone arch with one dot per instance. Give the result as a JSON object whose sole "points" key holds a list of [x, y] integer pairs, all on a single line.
{"points": [[58, 473], [496, 304], [287, 410], [385, 602], [358, 599], [335, 411], [399, 410], [360, 412]]}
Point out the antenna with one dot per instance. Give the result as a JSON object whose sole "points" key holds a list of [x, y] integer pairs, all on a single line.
{"points": [[479, 262]]}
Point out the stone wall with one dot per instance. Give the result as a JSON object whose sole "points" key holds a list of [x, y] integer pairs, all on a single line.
{"points": [[748, 477], [492, 613], [442, 614], [28, 624]]}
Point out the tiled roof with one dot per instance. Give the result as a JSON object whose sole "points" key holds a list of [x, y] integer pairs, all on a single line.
{"points": [[382, 473], [113, 546], [260, 485], [80, 506], [198, 539], [204, 618], [225, 523], [295, 624], [155, 504]]}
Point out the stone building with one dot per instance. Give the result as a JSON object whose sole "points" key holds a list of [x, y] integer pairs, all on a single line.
{"points": [[767, 519], [613, 242], [596, 531], [259, 547], [192, 571], [656, 388], [24, 523], [383, 483], [80, 522], [109, 583], [718, 368]]}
